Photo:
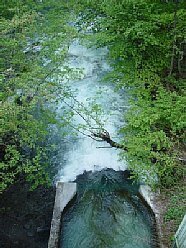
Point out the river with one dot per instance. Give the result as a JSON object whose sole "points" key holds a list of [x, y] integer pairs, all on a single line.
{"points": [[83, 153], [107, 212]]}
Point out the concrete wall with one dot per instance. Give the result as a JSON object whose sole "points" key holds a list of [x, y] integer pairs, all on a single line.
{"points": [[149, 196], [64, 193], [180, 236]]}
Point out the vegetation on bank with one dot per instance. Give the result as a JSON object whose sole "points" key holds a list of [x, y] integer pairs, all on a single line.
{"points": [[146, 41], [31, 33], [171, 203]]}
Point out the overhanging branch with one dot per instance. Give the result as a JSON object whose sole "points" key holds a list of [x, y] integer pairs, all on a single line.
{"points": [[105, 136]]}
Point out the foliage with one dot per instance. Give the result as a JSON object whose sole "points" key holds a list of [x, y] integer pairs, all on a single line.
{"points": [[32, 31], [175, 209], [146, 50]]}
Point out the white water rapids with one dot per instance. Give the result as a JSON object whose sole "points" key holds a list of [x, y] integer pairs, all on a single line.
{"points": [[107, 212], [83, 153]]}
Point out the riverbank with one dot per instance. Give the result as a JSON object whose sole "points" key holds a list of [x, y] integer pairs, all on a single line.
{"points": [[25, 216], [171, 204]]}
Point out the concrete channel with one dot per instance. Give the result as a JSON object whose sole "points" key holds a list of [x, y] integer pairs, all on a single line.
{"points": [[64, 194]]}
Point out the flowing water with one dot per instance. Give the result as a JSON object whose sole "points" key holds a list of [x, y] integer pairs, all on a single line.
{"points": [[82, 153], [108, 211]]}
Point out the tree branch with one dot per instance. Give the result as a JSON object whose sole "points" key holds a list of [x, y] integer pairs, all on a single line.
{"points": [[174, 41], [105, 136], [96, 133]]}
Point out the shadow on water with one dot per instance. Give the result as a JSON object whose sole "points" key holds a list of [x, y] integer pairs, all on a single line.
{"points": [[108, 212]]}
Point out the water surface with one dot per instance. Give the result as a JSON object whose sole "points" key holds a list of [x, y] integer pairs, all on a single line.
{"points": [[83, 153], [108, 212]]}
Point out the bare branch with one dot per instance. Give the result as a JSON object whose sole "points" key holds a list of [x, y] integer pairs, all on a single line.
{"points": [[96, 133], [105, 136], [103, 147]]}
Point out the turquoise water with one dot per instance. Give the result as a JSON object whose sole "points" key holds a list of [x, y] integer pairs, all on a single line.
{"points": [[108, 212]]}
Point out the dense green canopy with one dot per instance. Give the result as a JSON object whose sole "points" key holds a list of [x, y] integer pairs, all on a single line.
{"points": [[146, 41], [31, 33], [146, 50]]}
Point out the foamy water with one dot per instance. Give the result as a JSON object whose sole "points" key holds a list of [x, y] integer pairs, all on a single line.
{"points": [[83, 153]]}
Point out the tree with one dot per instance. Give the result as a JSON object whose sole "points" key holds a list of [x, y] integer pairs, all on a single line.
{"points": [[32, 31], [146, 50]]}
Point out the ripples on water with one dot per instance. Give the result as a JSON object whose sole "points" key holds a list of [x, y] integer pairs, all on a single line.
{"points": [[108, 212]]}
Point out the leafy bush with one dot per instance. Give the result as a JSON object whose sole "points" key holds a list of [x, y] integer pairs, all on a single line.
{"points": [[146, 51], [31, 33]]}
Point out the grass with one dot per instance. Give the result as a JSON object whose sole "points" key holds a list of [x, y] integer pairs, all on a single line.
{"points": [[175, 200]]}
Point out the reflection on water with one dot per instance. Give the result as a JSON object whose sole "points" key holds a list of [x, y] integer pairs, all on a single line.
{"points": [[108, 212]]}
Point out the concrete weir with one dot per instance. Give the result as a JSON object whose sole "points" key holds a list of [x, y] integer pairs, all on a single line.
{"points": [[150, 197], [64, 193]]}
